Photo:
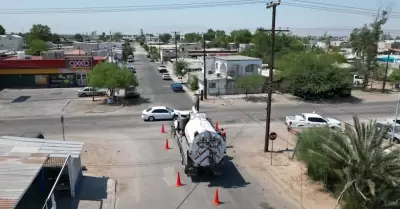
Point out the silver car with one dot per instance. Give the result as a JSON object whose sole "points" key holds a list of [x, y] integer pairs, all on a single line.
{"points": [[159, 113], [166, 76]]}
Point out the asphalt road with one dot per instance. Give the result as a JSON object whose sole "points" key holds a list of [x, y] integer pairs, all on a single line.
{"points": [[153, 89]]}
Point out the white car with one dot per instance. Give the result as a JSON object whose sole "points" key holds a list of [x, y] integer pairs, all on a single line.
{"points": [[166, 76], [162, 69], [131, 60], [311, 120], [159, 113]]}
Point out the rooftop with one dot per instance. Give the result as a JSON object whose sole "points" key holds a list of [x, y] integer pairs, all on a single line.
{"points": [[238, 58], [21, 146], [16, 174], [40, 58]]}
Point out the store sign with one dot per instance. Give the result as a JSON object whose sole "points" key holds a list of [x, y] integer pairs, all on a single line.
{"points": [[79, 63]]}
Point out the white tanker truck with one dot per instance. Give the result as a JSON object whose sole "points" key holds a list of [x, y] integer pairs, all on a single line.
{"points": [[202, 148]]}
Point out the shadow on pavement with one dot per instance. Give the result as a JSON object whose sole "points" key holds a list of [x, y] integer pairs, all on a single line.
{"points": [[92, 191], [230, 178], [136, 101]]}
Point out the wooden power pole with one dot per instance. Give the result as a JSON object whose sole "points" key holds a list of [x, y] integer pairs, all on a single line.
{"points": [[270, 5]]}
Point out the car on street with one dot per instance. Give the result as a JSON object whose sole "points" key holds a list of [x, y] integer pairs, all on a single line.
{"points": [[166, 76], [131, 92], [131, 58], [162, 69], [90, 91], [390, 133], [311, 120], [177, 87], [161, 113]]}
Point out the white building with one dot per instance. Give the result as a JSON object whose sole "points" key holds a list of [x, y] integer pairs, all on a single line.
{"points": [[11, 42], [222, 70]]}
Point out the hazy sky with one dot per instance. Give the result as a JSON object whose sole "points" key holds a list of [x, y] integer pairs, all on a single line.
{"points": [[251, 16]]}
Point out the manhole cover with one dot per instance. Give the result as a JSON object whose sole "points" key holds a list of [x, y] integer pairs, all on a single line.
{"points": [[21, 99]]}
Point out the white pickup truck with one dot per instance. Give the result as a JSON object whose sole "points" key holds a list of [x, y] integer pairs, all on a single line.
{"points": [[311, 120]]}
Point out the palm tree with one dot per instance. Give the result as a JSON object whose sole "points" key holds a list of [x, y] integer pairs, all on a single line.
{"points": [[366, 167]]}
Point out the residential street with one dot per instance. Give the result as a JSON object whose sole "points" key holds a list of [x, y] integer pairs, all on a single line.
{"points": [[120, 145]]}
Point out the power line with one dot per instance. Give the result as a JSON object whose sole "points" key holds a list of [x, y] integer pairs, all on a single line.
{"points": [[314, 6]]}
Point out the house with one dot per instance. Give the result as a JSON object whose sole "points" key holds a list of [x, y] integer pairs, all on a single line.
{"points": [[222, 70], [11, 42]]}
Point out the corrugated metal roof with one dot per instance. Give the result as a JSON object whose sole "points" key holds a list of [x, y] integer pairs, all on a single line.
{"points": [[21, 146], [16, 175]]}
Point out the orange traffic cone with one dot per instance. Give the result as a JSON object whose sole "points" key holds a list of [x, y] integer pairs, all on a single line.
{"points": [[166, 147], [216, 125], [162, 129], [216, 198], [178, 180]]}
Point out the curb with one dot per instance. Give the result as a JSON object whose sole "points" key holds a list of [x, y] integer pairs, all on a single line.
{"points": [[109, 203]]}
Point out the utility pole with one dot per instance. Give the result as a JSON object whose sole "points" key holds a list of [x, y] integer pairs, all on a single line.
{"points": [[204, 68], [386, 72], [176, 47], [270, 5], [111, 48], [159, 48]]}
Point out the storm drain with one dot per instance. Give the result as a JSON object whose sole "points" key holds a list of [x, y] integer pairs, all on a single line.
{"points": [[21, 99]]}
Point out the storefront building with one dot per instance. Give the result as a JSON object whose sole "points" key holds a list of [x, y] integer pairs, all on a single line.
{"points": [[39, 73]]}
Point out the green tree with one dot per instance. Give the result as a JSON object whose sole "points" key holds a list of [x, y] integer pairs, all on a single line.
{"points": [[194, 83], [36, 47], [117, 36], [247, 83], [127, 50], [284, 44], [154, 53], [314, 73], [364, 42], [364, 168], [108, 75], [395, 76], [2, 30], [210, 35], [41, 32], [242, 36], [193, 37], [165, 37], [103, 37], [78, 37], [180, 68]]}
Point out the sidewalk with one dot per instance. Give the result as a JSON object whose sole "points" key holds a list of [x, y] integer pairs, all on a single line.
{"points": [[288, 174]]}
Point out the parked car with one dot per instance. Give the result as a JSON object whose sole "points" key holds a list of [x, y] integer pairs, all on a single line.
{"points": [[177, 87], [311, 120], [390, 133], [130, 60], [90, 91], [162, 69], [166, 76], [131, 92], [358, 80], [161, 113]]}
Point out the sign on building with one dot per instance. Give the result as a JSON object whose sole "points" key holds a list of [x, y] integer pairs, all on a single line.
{"points": [[79, 62]]}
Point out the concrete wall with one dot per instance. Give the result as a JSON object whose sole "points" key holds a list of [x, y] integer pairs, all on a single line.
{"points": [[75, 174], [11, 43]]}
